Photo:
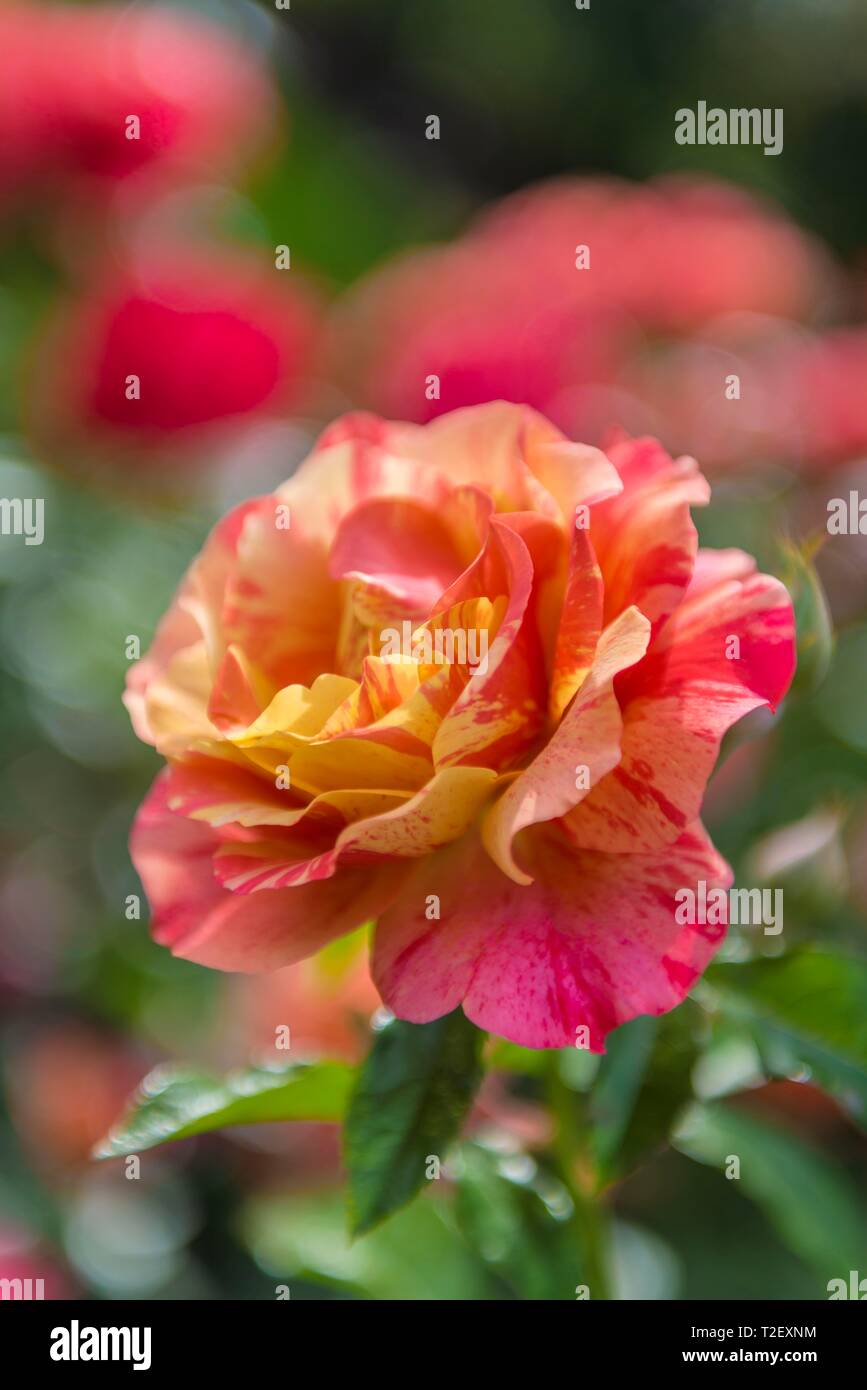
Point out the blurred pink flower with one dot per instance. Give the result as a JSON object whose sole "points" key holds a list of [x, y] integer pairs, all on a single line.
{"points": [[174, 342], [77, 79], [801, 395], [833, 385], [438, 330], [673, 252], [549, 295]]}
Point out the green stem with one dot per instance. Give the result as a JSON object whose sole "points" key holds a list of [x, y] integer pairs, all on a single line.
{"points": [[571, 1155]]}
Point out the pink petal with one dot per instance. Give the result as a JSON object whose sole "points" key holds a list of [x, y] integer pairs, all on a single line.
{"points": [[593, 942], [194, 915], [580, 623], [281, 606], [440, 813], [644, 539], [239, 692], [357, 458], [679, 702], [400, 547], [588, 737], [193, 618], [516, 455], [499, 712]]}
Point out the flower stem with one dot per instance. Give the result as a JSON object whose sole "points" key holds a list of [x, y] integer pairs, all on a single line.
{"points": [[572, 1158]]}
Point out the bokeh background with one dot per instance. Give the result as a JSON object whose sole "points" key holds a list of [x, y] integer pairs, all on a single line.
{"points": [[280, 242]]}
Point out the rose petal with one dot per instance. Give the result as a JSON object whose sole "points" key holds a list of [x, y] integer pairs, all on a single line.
{"points": [[678, 704], [499, 712], [579, 626], [194, 915], [441, 812], [592, 943], [192, 621], [399, 547], [645, 539], [588, 737]]}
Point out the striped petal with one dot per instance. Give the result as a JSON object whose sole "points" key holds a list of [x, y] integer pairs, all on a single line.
{"points": [[593, 942], [587, 742], [644, 538], [500, 711], [726, 651], [440, 813], [201, 921]]}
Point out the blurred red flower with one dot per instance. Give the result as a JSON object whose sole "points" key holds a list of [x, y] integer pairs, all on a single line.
{"points": [[170, 344]]}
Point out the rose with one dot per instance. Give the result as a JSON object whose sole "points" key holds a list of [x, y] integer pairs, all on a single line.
{"points": [[673, 252], [168, 347], [547, 296], [74, 77], [437, 330], [519, 834], [802, 402]]}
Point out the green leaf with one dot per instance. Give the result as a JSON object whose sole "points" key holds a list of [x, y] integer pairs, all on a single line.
{"points": [[175, 1102], [644, 1082], [807, 1010], [803, 1193], [409, 1103], [504, 1208]]}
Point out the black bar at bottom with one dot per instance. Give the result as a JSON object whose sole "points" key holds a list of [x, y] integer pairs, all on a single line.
{"points": [[257, 1338]]}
